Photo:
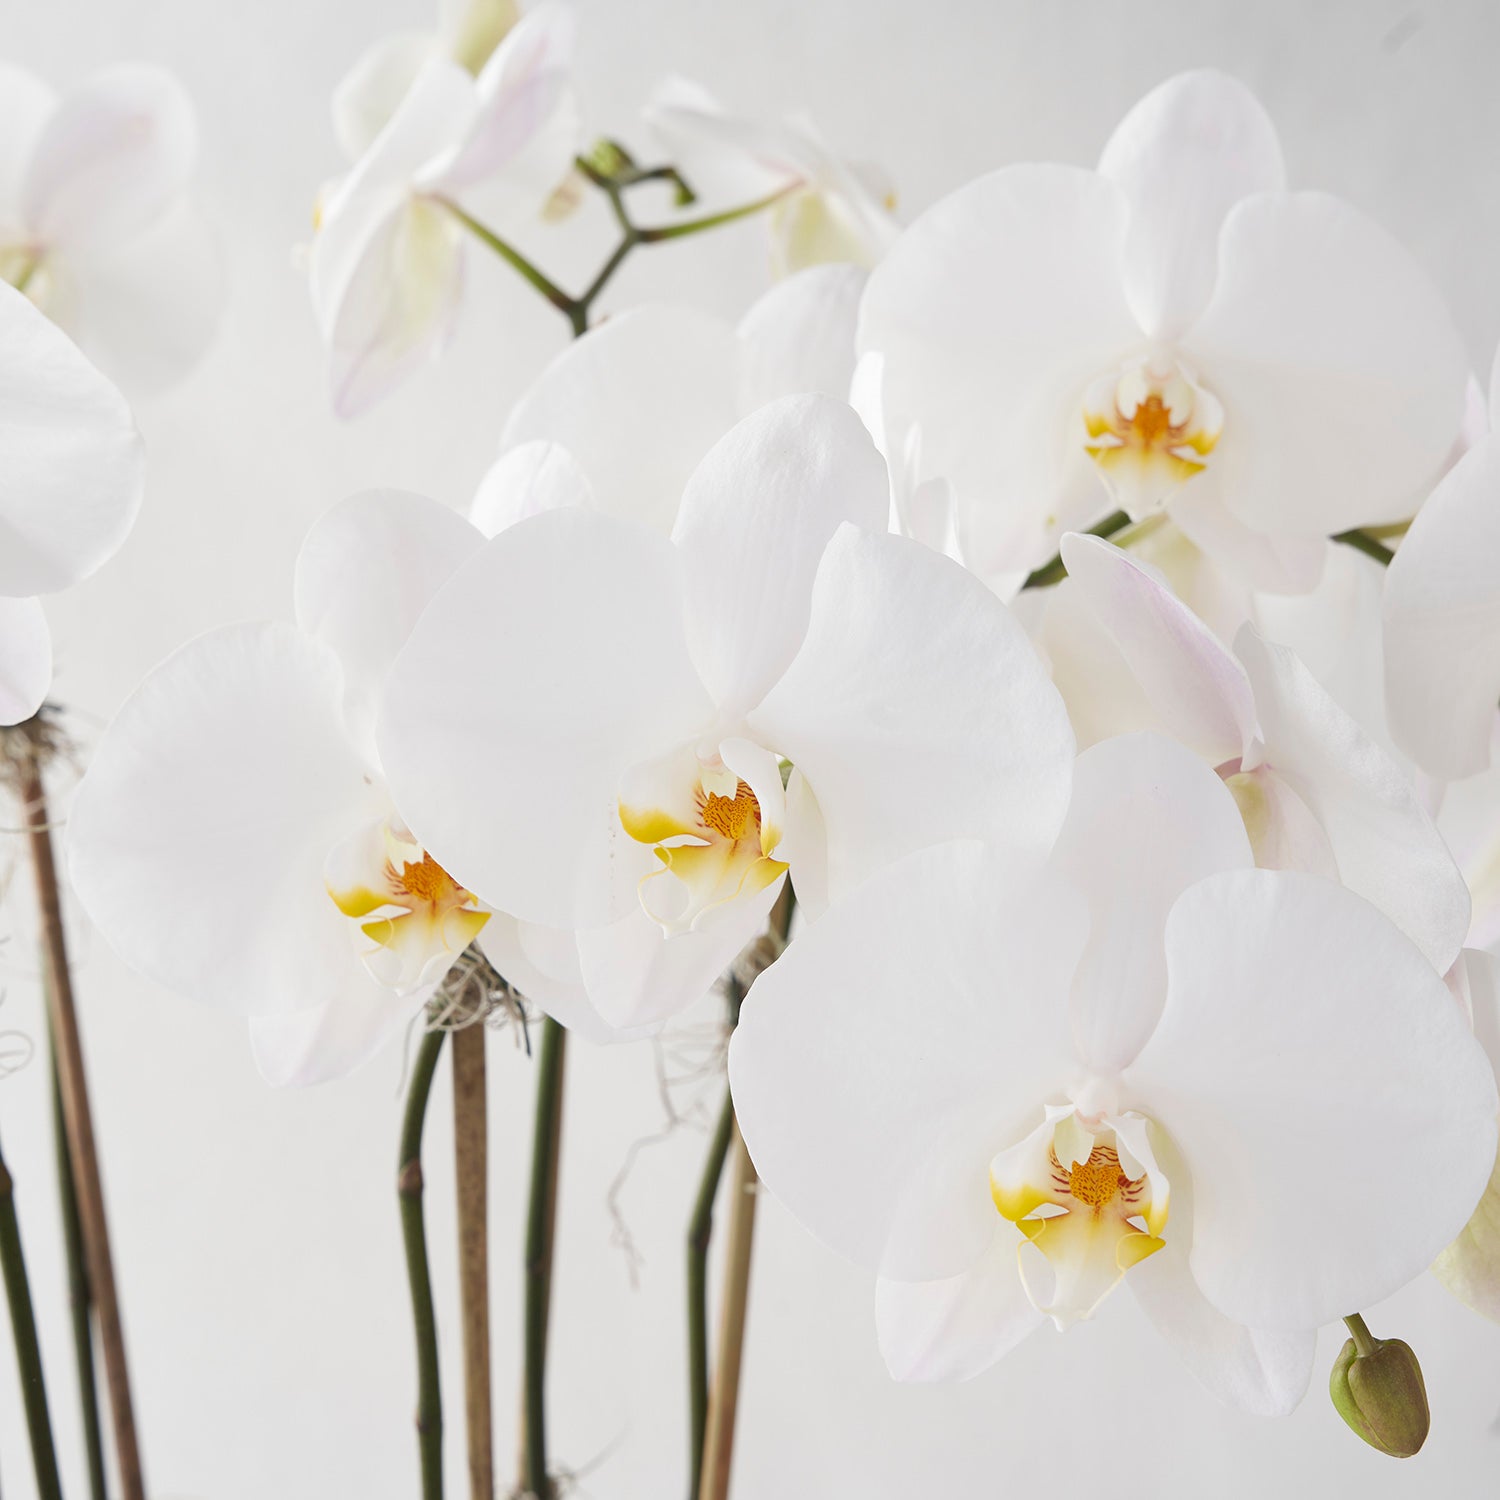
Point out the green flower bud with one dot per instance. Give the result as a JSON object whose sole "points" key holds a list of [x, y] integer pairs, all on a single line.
{"points": [[609, 159], [1381, 1395]]}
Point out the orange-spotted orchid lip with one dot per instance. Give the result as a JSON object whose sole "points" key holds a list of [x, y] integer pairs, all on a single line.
{"points": [[413, 917], [1150, 428], [713, 814]]}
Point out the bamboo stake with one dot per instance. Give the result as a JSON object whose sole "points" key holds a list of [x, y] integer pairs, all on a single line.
{"points": [[470, 1170]]}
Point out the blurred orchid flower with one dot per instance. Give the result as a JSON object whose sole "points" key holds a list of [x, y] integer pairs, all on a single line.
{"points": [[96, 226], [71, 470], [466, 32], [832, 211], [621, 775], [1175, 332], [387, 261], [234, 839], [1007, 1088], [1316, 792]]}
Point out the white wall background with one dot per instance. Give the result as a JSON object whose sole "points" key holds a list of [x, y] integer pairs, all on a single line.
{"points": [[255, 1232]]}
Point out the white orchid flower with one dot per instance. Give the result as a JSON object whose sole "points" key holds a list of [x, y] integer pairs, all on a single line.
{"points": [[620, 774], [1007, 1089], [71, 470], [1175, 332], [1316, 792], [683, 376], [465, 32], [832, 210], [234, 839], [96, 226], [1442, 617], [387, 261]]}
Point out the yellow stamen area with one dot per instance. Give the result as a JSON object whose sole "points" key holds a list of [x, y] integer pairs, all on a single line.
{"points": [[1099, 1180], [731, 816], [426, 881]]}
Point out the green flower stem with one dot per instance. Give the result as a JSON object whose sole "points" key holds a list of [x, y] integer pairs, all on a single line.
{"points": [[1364, 1340], [577, 309], [541, 1230], [656, 234], [414, 1236], [700, 1232], [1371, 546], [512, 257], [28, 1352], [80, 1302], [1054, 571]]}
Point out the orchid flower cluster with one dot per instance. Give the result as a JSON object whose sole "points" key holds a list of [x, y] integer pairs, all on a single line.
{"points": [[1085, 598]]}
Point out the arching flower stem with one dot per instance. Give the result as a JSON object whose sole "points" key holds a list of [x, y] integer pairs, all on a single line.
{"points": [[577, 309]]}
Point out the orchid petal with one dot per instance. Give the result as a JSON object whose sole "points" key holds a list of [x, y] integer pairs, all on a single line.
{"points": [[1386, 845], [1147, 820], [1258, 1371], [112, 158], [542, 963], [199, 834], [385, 270], [992, 311], [1185, 155], [25, 659], [901, 1039], [366, 571], [637, 978], [331, 1041], [1283, 562], [669, 371], [70, 457], [1334, 1111], [1194, 684], [956, 1328], [917, 711], [1442, 620], [521, 87], [754, 520], [526, 481], [575, 620], [1322, 332], [371, 92], [147, 312], [1284, 831], [799, 337]]}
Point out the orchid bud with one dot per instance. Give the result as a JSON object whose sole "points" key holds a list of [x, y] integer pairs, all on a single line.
{"points": [[1381, 1395]]}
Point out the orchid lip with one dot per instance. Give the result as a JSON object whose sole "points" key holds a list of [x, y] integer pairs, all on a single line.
{"points": [[1150, 426], [1087, 1197]]}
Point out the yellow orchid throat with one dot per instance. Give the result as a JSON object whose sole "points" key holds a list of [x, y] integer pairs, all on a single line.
{"points": [[1150, 428], [716, 849], [421, 916], [1078, 1204]]}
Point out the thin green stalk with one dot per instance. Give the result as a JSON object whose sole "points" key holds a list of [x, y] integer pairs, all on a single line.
{"points": [[80, 1302], [541, 1226], [655, 234], [512, 257], [1371, 546], [1054, 571], [577, 309], [28, 1352], [414, 1236], [700, 1232], [1364, 1340]]}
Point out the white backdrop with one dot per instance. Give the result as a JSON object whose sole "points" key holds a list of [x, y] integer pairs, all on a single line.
{"points": [[255, 1232]]}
